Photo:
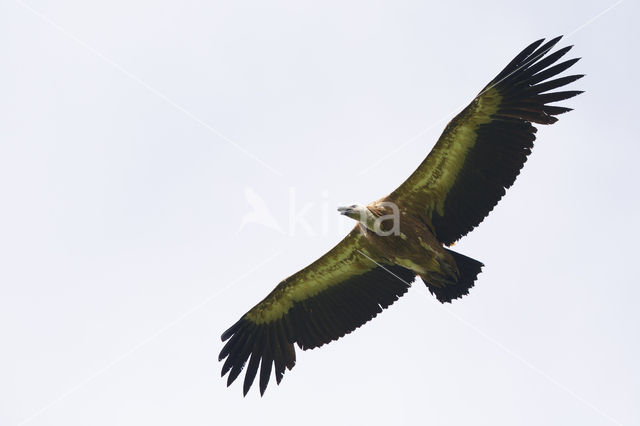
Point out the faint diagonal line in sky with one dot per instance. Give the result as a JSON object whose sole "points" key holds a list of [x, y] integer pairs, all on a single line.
{"points": [[144, 342], [149, 87], [530, 365], [407, 142], [616, 4], [507, 350], [458, 109]]}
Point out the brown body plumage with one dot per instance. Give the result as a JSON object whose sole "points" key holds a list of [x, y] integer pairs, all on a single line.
{"points": [[415, 248], [477, 157]]}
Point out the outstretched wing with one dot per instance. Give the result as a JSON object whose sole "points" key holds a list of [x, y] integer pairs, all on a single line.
{"points": [[481, 151], [324, 301]]}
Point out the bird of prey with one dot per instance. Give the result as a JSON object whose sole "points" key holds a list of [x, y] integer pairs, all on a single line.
{"points": [[406, 234]]}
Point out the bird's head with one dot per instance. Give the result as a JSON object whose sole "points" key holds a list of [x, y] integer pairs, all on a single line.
{"points": [[354, 211]]}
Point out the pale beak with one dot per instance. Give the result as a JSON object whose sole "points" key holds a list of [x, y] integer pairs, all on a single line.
{"points": [[344, 210]]}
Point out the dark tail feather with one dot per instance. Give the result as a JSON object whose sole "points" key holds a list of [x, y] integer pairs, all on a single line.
{"points": [[469, 269]]}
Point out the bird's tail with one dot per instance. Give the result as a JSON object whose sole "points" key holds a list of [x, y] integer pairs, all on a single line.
{"points": [[469, 269]]}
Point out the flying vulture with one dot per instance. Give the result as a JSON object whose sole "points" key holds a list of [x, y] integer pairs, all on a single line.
{"points": [[406, 233]]}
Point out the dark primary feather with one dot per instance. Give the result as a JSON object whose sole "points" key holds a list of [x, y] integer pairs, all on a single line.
{"points": [[309, 323]]}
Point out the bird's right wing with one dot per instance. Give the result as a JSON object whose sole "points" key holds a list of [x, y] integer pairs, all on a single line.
{"points": [[482, 150], [324, 301]]}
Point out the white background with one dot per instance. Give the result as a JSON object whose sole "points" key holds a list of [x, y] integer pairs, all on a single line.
{"points": [[121, 211]]}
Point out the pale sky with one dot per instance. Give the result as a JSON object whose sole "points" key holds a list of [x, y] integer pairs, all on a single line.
{"points": [[136, 136]]}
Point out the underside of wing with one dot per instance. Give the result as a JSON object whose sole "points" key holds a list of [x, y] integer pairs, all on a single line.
{"points": [[481, 151], [324, 301]]}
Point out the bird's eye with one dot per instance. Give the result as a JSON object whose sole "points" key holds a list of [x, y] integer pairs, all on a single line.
{"points": [[353, 206]]}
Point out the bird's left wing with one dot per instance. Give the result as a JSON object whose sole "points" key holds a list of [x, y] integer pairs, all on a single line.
{"points": [[482, 150], [324, 301]]}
